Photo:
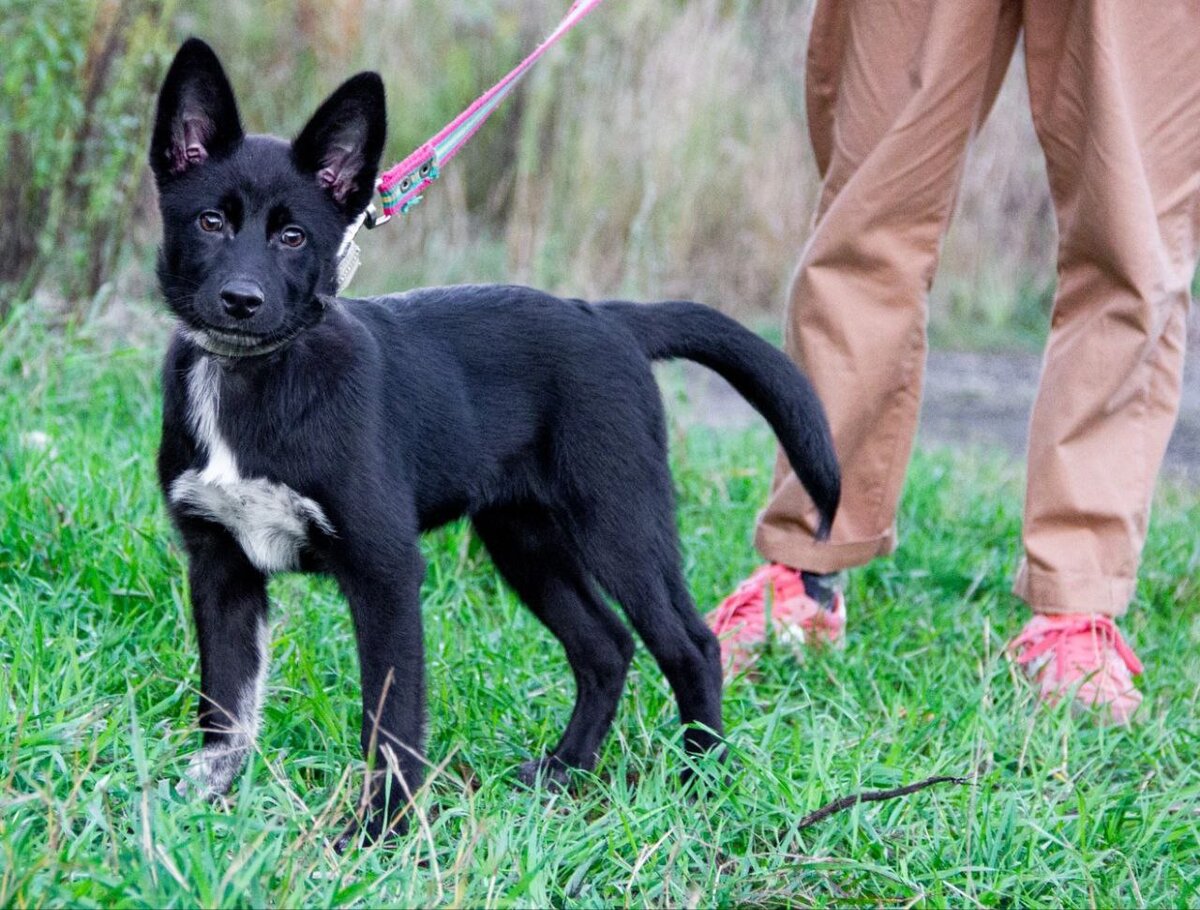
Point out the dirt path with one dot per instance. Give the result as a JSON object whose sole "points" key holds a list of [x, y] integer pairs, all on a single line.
{"points": [[971, 399]]}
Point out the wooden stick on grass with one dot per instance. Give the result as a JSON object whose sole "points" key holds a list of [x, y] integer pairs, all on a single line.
{"points": [[875, 796]]}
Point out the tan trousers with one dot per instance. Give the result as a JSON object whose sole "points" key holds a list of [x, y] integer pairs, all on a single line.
{"points": [[895, 90]]}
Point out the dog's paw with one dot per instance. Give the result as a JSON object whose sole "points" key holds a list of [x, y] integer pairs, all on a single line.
{"points": [[210, 773], [371, 830], [548, 771]]}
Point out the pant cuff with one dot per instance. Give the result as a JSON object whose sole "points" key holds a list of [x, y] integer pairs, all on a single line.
{"points": [[798, 550], [1071, 592]]}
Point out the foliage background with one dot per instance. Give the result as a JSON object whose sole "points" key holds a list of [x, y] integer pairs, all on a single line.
{"points": [[661, 152]]}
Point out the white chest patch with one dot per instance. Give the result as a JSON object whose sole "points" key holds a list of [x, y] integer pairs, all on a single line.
{"points": [[270, 520]]}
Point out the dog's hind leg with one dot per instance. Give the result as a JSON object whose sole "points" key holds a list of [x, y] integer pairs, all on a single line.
{"points": [[529, 550], [229, 602], [629, 545]]}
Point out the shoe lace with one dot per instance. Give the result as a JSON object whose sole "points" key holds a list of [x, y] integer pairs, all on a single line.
{"points": [[1072, 641]]}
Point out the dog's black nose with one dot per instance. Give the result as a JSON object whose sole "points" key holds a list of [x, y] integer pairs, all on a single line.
{"points": [[241, 298]]}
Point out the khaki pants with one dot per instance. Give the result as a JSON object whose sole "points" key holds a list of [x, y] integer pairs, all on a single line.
{"points": [[895, 90]]}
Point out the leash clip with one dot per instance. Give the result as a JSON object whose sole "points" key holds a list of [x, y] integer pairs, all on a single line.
{"points": [[349, 255], [373, 219], [400, 186]]}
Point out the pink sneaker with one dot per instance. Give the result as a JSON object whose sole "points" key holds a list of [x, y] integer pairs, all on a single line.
{"points": [[798, 618], [1083, 654]]}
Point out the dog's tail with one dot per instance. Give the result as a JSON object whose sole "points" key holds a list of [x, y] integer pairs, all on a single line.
{"points": [[761, 373]]}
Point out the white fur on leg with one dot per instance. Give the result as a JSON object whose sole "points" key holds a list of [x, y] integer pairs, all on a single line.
{"points": [[211, 772]]}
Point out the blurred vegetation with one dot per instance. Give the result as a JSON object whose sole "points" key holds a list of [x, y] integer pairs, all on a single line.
{"points": [[76, 79], [660, 151]]}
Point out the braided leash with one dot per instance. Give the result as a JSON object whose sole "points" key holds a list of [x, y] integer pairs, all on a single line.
{"points": [[400, 187]]}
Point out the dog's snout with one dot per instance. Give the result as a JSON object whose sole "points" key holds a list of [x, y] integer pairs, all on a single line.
{"points": [[241, 298]]}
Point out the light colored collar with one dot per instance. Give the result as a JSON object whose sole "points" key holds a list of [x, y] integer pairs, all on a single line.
{"points": [[231, 345]]}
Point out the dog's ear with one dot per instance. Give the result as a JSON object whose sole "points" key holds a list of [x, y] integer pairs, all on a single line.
{"points": [[342, 142], [197, 115]]}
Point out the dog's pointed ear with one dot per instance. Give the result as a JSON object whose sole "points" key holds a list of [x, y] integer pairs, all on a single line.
{"points": [[342, 142], [197, 115]]}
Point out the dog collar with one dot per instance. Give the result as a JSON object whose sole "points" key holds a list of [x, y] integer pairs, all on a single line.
{"points": [[213, 344]]}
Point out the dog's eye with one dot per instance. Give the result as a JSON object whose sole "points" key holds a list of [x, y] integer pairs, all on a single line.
{"points": [[292, 236], [211, 221]]}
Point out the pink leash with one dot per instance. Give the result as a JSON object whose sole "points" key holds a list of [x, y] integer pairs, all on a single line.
{"points": [[401, 186]]}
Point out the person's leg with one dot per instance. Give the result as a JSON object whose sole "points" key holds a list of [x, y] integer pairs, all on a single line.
{"points": [[1115, 92], [894, 93]]}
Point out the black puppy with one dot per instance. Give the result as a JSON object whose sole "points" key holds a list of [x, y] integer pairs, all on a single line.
{"points": [[306, 432]]}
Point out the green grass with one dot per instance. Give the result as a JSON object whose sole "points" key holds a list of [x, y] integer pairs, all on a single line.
{"points": [[98, 665]]}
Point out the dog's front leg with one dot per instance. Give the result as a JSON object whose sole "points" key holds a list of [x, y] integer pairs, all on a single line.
{"points": [[229, 603], [383, 588]]}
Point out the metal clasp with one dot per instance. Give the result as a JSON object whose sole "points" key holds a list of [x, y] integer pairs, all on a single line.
{"points": [[373, 219]]}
